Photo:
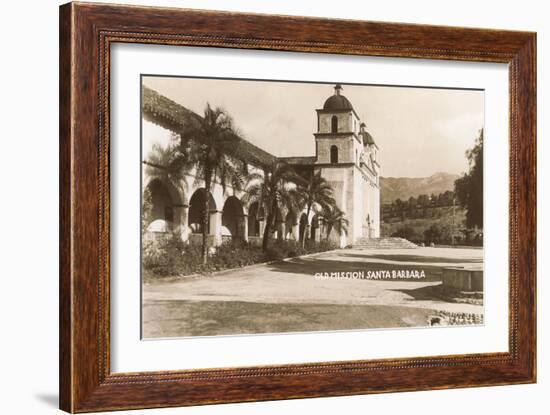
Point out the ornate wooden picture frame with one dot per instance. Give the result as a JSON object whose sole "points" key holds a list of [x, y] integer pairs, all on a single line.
{"points": [[87, 32]]}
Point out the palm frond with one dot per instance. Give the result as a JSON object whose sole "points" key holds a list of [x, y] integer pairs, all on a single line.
{"points": [[168, 164]]}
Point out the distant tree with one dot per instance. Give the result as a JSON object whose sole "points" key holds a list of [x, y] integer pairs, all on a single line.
{"points": [[438, 233], [412, 206], [407, 232], [469, 187], [448, 198], [432, 234], [443, 199], [424, 202], [400, 208], [387, 210]]}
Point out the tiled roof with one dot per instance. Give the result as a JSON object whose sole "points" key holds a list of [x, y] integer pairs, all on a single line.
{"points": [[168, 114], [306, 160]]}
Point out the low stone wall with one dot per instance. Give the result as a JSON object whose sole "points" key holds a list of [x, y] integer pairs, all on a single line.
{"points": [[196, 239], [445, 318], [463, 279], [153, 240]]}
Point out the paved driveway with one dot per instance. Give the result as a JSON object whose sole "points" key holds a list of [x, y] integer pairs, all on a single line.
{"points": [[294, 283]]}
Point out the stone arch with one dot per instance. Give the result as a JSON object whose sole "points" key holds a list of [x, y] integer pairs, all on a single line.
{"points": [[334, 154], [233, 219], [196, 209], [176, 193], [164, 200], [334, 124]]}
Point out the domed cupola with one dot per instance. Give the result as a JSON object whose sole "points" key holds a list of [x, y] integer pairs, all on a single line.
{"points": [[337, 102]]}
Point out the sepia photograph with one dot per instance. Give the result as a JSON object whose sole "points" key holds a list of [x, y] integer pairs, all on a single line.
{"points": [[276, 206]]}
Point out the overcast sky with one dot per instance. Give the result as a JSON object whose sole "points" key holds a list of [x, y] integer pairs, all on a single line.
{"points": [[420, 131]]}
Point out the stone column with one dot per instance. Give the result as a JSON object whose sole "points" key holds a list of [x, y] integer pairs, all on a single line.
{"points": [[244, 227], [317, 234], [296, 231], [261, 227], [216, 226], [182, 213], [280, 227], [307, 232], [322, 230]]}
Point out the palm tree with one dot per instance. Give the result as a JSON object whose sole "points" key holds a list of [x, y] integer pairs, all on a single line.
{"points": [[167, 165], [335, 219], [273, 190], [316, 191], [207, 144]]}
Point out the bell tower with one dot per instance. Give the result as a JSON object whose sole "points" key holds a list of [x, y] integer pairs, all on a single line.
{"points": [[346, 155], [337, 129]]}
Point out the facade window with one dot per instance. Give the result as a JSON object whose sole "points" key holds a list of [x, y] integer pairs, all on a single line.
{"points": [[334, 154], [334, 124]]}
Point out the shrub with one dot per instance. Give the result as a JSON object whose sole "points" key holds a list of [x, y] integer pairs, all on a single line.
{"points": [[170, 256], [407, 232], [235, 254], [275, 253], [326, 246], [438, 233], [289, 249]]}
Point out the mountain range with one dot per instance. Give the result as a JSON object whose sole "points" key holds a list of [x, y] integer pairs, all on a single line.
{"points": [[403, 188]]}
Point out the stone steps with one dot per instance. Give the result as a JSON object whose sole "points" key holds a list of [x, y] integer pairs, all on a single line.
{"points": [[384, 243]]}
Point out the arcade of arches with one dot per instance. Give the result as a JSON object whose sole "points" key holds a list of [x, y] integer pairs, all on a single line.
{"points": [[234, 221]]}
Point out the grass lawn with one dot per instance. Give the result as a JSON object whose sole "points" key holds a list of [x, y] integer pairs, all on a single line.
{"points": [[209, 318]]}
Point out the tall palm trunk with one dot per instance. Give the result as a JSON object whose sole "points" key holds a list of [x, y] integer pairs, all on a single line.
{"points": [[306, 230], [267, 229], [270, 218], [206, 217]]}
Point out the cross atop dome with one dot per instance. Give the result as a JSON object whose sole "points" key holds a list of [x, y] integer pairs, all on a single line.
{"points": [[337, 89]]}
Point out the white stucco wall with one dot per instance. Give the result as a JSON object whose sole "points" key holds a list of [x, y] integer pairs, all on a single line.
{"points": [[346, 148]]}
